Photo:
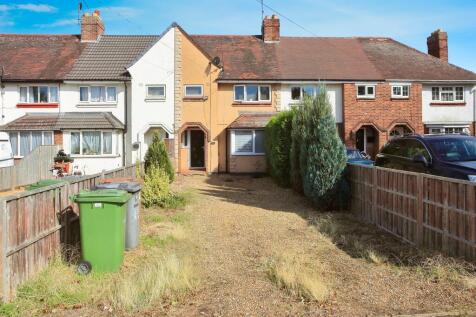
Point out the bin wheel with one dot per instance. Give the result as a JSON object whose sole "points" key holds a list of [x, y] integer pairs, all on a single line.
{"points": [[84, 268]]}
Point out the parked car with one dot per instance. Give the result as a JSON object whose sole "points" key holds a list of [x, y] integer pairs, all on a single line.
{"points": [[354, 156], [444, 155], [6, 154]]}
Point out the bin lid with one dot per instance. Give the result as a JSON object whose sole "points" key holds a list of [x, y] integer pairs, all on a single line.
{"points": [[130, 187], [44, 183], [101, 196]]}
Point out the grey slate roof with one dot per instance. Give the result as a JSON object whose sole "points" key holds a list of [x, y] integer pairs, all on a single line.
{"points": [[64, 121], [108, 58]]}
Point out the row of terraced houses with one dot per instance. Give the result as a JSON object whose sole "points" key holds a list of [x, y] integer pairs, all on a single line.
{"points": [[103, 97]]}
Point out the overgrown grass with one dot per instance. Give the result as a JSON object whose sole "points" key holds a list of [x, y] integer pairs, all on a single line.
{"points": [[364, 241], [298, 276], [160, 271]]}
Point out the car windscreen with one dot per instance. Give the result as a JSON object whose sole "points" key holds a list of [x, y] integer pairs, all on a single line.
{"points": [[454, 149], [353, 155]]}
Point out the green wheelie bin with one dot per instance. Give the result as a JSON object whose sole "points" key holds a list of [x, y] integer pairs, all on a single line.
{"points": [[102, 227]]}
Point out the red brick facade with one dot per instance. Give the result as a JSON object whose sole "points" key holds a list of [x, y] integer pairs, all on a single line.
{"points": [[92, 26], [382, 113], [270, 29], [58, 138], [437, 44]]}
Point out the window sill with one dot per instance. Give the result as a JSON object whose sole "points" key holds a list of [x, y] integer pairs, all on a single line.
{"points": [[400, 98], [447, 103], [154, 99], [365, 98], [201, 98], [252, 104], [248, 154], [95, 156], [97, 105], [38, 105]]}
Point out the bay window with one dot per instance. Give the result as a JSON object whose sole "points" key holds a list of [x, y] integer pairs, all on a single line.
{"points": [[39, 94], [97, 94], [447, 94], [91, 143], [252, 93], [247, 142], [24, 142]]}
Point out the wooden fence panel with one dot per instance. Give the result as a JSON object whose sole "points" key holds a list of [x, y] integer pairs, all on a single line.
{"points": [[37, 224], [435, 212]]}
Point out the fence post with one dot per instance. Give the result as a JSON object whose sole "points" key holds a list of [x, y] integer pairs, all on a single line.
{"points": [[4, 275], [419, 209], [374, 216]]}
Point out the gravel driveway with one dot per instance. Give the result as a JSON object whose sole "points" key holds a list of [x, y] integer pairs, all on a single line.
{"points": [[239, 221]]}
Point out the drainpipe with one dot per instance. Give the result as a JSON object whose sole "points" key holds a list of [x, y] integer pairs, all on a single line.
{"points": [[124, 133], [1, 94]]}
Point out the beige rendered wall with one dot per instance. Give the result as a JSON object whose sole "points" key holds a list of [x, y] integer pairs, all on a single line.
{"points": [[215, 111]]}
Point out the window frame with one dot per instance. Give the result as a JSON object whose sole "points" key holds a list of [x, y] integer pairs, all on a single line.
{"points": [[149, 97], [193, 96], [253, 153], [27, 101], [445, 127], [245, 94], [453, 91], [301, 92], [113, 143], [401, 95], [367, 95], [106, 102], [16, 153]]}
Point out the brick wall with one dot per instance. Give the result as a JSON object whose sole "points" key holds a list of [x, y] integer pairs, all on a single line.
{"points": [[383, 112], [58, 138]]}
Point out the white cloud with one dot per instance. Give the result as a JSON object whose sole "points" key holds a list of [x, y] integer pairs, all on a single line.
{"points": [[4, 7], [117, 13], [57, 23], [36, 7], [6, 23]]}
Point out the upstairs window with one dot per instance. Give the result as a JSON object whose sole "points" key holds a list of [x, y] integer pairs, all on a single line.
{"points": [[299, 92], [252, 93], [447, 94], [155, 92], [39, 94], [366, 91], [400, 91], [193, 91], [97, 94]]}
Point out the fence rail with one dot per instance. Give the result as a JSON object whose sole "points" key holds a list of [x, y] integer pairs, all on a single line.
{"points": [[36, 224], [434, 212], [32, 168]]}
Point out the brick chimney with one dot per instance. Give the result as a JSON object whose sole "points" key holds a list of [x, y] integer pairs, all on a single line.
{"points": [[437, 44], [270, 29], [92, 26]]}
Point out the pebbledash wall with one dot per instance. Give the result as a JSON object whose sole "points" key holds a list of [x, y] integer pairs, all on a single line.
{"points": [[382, 113]]}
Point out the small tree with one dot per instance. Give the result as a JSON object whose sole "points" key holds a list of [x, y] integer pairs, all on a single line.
{"points": [[297, 137], [157, 156], [278, 139], [322, 156]]}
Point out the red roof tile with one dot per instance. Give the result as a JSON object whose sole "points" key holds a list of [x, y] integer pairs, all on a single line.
{"points": [[325, 58], [251, 120], [38, 57]]}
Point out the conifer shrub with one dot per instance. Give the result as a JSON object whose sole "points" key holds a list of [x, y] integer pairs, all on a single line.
{"points": [[158, 157], [297, 135], [278, 139], [156, 190]]}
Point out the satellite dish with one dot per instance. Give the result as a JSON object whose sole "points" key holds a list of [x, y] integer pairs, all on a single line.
{"points": [[216, 61]]}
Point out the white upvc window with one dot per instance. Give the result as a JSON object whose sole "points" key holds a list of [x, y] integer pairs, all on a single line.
{"points": [[252, 93], [400, 91], [447, 94], [449, 130], [39, 94], [92, 143], [97, 94], [247, 142], [299, 92], [193, 91], [155, 92], [23, 142], [366, 91]]}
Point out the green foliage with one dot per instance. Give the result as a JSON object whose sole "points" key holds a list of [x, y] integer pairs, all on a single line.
{"points": [[156, 190], [322, 157], [157, 156], [297, 135], [278, 138]]}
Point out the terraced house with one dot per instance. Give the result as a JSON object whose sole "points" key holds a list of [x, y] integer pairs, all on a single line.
{"points": [[210, 96]]}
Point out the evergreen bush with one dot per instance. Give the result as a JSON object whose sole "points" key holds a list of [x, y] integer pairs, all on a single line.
{"points": [[278, 139], [156, 190], [297, 135], [157, 156]]}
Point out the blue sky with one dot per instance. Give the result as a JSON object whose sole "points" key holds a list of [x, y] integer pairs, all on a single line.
{"points": [[407, 21]]}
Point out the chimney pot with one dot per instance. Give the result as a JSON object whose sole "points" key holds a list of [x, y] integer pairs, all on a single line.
{"points": [[437, 44], [270, 29], [92, 27]]}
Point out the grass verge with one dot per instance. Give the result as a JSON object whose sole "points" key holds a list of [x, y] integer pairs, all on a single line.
{"points": [[298, 276]]}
